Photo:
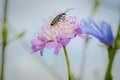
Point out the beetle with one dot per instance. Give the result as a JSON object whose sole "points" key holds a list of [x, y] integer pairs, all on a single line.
{"points": [[59, 16]]}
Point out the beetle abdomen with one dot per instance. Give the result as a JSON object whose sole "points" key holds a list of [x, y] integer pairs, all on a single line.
{"points": [[56, 19]]}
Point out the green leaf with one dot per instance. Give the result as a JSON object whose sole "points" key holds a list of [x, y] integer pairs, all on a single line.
{"points": [[21, 34]]}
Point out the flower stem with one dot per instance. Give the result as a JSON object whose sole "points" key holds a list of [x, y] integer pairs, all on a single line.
{"points": [[111, 54], [3, 62], [108, 75], [4, 40], [68, 64]]}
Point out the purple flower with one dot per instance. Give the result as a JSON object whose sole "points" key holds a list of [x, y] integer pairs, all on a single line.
{"points": [[57, 35], [102, 32]]}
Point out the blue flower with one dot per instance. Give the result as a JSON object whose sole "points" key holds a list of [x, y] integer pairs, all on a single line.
{"points": [[102, 32]]}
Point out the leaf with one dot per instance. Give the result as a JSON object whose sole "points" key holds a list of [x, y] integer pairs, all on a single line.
{"points": [[21, 34]]}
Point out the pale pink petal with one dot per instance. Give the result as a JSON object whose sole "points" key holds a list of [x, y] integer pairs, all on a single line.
{"points": [[65, 41], [36, 42], [78, 30], [84, 36], [57, 48], [50, 45], [35, 48], [41, 52]]}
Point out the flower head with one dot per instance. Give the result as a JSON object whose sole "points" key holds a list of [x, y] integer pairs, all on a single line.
{"points": [[103, 31], [57, 35]]}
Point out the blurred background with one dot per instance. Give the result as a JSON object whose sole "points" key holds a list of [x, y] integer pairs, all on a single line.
{"points": [[88, 59]]}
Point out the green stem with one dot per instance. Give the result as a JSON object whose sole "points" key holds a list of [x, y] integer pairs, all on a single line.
{"points": [[4, 42], [68, 63], [111, 54], [5, 10], [3, 61]]}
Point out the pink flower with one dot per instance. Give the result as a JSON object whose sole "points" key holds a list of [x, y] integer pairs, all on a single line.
{"points": [[57, 35]]}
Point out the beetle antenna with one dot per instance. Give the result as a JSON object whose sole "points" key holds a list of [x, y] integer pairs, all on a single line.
{"points": [[68, 10]]}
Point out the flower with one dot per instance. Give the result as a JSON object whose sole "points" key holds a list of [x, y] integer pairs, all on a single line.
{"points": [[103, 31], [57, 35]]}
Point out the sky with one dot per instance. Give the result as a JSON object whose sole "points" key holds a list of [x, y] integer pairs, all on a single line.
{"points": [[29, 15]]}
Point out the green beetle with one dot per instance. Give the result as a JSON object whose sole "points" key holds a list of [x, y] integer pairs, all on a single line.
{"points": [[59, 16]]}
